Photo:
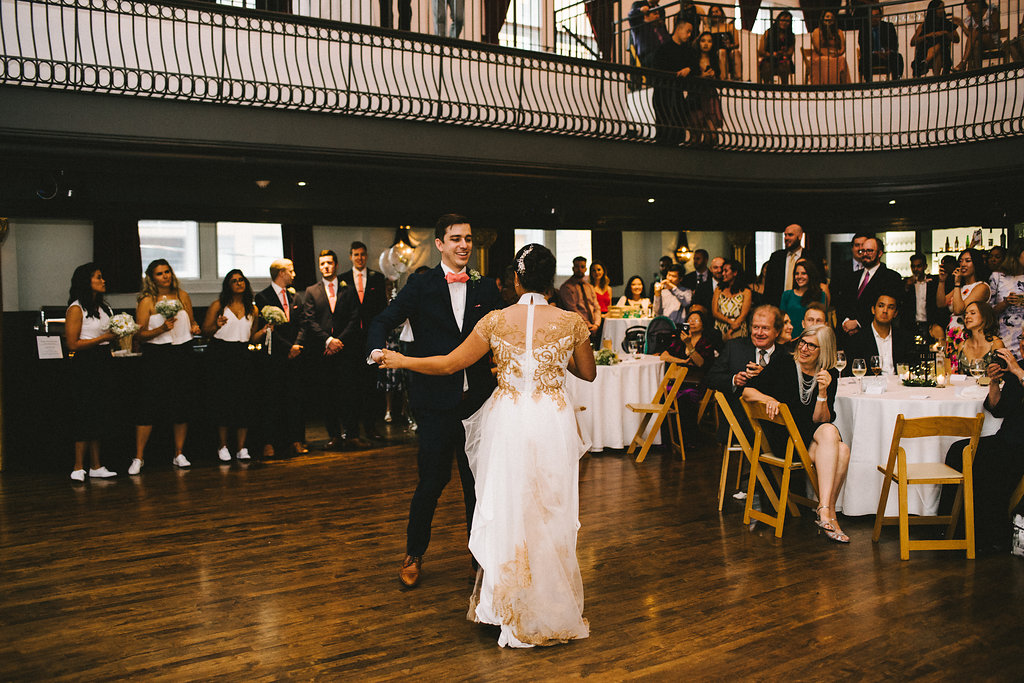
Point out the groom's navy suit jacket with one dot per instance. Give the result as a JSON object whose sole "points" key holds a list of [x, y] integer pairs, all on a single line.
{"points": [[426, 302]]}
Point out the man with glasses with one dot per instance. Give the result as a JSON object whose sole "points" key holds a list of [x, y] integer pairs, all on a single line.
{"points": [[874, 278]]}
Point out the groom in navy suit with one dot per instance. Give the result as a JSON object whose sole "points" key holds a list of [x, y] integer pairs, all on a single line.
{"points": [[442, 305]]}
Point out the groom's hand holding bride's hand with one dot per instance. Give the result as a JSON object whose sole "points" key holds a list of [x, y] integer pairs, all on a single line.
{"points": [[391, 360]]}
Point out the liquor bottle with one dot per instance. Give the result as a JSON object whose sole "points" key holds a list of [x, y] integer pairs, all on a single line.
{"points": [[956, 244], [947, 244]]}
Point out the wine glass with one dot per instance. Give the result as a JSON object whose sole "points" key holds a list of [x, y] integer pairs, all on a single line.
{"points": [[977, 368], [875, 364], [634, 348], [840, 361], [859, 368]]}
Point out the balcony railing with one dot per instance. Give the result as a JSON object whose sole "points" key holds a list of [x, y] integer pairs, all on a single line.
{"points": [[203, 53]]}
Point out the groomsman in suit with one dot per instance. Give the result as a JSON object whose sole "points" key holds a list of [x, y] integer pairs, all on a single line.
{"points": [[779, 277], [920, 311], [881, 338], [370, 288], [282, 420], [700, 281], [442, 305], [330, 314], [854, 309]]}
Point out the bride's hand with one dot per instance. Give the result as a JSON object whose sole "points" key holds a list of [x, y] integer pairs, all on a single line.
{"points": [[392, 360]]}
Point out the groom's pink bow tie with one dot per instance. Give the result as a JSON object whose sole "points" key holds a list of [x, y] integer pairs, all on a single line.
{"points": [[455, 277]]}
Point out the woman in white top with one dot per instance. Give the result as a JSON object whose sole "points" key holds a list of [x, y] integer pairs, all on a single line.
{"points": [[88, 338], [633, 295], [1008, 298], [167, 358], [970, 285], [231, 321]]}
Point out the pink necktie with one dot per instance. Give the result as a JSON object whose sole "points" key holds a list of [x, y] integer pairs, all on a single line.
{"points": [[284, 304], [455, 277], [359, 286], [863, 283], [330, 295]]}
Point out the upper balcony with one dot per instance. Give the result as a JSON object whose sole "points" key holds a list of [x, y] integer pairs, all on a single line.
{"points": [[559, 73]]}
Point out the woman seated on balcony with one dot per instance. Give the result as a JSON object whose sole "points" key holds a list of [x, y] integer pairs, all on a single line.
{"points": [[933, 41], [828, 56], [726, 44], [809, 389], [775, 51], [980, 340], [982, 28]]}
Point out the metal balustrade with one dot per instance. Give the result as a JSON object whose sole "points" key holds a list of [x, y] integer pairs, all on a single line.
{"points": [[206, 53]]}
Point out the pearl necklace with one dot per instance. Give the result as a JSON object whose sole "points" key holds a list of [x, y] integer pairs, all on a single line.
{"points": [[806, 388]]}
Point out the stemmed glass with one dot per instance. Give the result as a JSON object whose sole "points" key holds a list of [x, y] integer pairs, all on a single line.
{"points": [[634, 348], [977, 368], [840, 361], [875, 363], [859, 368]]}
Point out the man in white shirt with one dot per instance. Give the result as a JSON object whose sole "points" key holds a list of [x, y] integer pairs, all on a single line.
{"points": [[891, 345], [779, 276], [364, 403], [671, 299]]}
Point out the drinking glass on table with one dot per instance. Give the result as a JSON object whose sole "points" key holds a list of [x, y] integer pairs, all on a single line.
{"points": [[903, 370], [634, 348], [977, 368], [859, 368], [875, 362], [840, 361]]}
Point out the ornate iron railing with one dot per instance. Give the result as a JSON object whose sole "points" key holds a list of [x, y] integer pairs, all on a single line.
{"points": [[198, 52]]}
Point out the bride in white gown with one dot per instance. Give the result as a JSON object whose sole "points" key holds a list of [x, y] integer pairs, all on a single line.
{"points": [[524, 449]]}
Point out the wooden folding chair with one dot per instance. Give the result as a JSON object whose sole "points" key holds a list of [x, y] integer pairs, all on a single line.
{"points": [[735, 442], [709, 396], [662, 405], [795, 458], [904, 474]]}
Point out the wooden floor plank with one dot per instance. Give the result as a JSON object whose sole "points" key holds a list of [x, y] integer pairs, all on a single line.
{"points": [[289, 571]]}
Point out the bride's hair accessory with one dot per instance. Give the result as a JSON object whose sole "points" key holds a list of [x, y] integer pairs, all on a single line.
{"points": [[521, 261]]}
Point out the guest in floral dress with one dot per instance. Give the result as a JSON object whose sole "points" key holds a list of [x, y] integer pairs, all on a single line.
{"points": [[731, 303], [1008, 298]]}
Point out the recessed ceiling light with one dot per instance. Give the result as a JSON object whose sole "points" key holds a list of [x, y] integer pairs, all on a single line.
{"points": [[650, 200], [263, 184], [301, 183], [891, 202]]}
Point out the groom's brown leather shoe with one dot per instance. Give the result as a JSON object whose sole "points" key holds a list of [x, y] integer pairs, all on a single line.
{"points": [[410, 573]]}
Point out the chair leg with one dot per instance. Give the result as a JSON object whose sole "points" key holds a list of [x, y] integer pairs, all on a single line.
{"points": [[780, 518], [649, 441], [904, 519], [638, 438], [725, 470], [679, 431], [954, 516], [755, 470], [704, 404], [883, 499], [969, 517]]}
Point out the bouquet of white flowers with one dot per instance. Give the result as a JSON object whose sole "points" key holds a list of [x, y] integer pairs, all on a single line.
{"points": [[606, 357], [274, 315], [168, 308], [124, 327]]}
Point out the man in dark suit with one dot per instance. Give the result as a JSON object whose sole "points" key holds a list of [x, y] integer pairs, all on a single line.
{"points": [[879, 46], [282, 419], [700, 280], [442, 305], [845, 277], [881, 338], [330, 315], [779, 277], [371, 289], [854, 310], [919, 311]]}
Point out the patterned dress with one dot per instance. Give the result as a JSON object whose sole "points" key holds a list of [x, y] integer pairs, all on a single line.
{"points": [[1011, 321], [731, 307]]}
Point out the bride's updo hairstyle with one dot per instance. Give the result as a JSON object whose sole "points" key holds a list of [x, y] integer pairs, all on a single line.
{"points": [[535, 266]]}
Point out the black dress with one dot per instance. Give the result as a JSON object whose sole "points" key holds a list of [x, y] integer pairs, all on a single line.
{"points": [[779, 381]]}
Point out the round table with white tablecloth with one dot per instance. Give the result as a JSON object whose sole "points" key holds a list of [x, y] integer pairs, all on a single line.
{"points": [[615, 330], [866, 423], [606, 422]]}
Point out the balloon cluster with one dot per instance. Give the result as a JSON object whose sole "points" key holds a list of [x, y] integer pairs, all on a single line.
{"points": [[395, 260]]}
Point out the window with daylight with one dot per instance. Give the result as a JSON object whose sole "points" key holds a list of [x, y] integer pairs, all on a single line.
{"points": [[568, 245], [250, 247], [175, 241]]}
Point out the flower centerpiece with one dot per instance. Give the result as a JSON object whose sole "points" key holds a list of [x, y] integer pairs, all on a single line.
{"points": [[124, 327], [606, 357], [168, 308], [274, 315]]}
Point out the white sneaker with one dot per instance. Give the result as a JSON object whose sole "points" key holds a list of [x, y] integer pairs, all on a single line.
{"points": [[135, 467], [181, 461], [224, 454], [740, 495], [78, 475], [387, 416], [102, 473], [243, 454]]}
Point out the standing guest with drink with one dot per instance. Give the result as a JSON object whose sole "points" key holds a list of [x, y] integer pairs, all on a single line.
{"points": [[86, 330], [970, 284], [231, 321], [164, 314]]}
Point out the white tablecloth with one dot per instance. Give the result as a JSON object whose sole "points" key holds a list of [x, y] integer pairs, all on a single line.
{"points": [[615, 329], [866, 423], [607, 422]]}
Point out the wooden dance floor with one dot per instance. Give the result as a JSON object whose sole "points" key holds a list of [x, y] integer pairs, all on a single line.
{"points": [[289, 571]]}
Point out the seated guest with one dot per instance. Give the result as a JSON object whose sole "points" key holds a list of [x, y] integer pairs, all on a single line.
{"points": [[671, 299], [981, 27], [891, 344], [726, 44], [577, 294], [731, 302], [933, 41], [1008, 296], [697, 351], [602, 290], [999, 462], [828, 52], [816, 314], [634, 294], [86, 330], [980, 340], [806, 290], [775, 50], [919, 309], [807, 384], [231, 322], [647, 30], [879, 47]]}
